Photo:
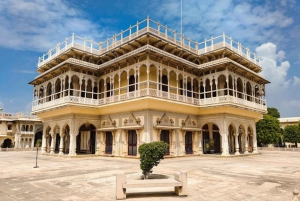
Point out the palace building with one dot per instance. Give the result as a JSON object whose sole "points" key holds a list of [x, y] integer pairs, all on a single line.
{"points": [[149, 83], [19, 130]]}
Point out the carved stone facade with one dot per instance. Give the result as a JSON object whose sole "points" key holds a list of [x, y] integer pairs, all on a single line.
{"points": [[108, 98]]}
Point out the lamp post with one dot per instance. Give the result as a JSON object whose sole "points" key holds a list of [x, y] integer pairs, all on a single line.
{"points": [[37, 151]]}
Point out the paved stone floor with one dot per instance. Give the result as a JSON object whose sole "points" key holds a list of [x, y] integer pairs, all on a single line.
{"points": [[269, 176]]}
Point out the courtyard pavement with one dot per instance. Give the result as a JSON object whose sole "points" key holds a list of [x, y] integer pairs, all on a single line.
{"points": [[271, 175]]}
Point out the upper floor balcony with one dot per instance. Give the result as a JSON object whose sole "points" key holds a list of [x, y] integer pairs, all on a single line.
{"points": [[147, 26], [198, 95]]}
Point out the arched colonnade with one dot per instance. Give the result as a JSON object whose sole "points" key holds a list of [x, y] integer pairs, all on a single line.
{"points": [[130, 81]]}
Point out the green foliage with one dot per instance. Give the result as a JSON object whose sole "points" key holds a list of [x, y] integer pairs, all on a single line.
{"points": [[272, 111], [268, 130], [151, 154], [291, 133], [38, 143]]}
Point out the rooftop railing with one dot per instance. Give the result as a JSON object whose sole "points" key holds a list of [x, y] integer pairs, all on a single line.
{"points": [[17, 115], [155, 28]]}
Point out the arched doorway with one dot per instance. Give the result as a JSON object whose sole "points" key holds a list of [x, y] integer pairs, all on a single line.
{"points": [[86, 139], [132, 143], [241, 139], [66, 138], [7, 143], [108, 142], [165, 137], [217, 139], [57, 143], [211, 139], [205, 137], [37, 136], [231, 139], [189, 142]]}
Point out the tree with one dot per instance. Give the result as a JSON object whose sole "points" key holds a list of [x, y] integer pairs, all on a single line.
{"points": [[38, 143], [150, 155], [272, 111], [291, 134], [268, 130]]}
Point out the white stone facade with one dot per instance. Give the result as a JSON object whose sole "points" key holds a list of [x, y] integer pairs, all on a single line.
{"points": [[153, 84]]}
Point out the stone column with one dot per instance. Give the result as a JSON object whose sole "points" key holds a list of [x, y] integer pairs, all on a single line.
{"points": [[200, 143], [61, 145], [53, 144], [225, 151], [98, 143], [237, 152], [246, 145], [72, 149], [254, 142]]}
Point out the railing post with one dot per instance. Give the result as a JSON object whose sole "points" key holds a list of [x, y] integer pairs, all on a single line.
{"points": [[73, 39], [129, 32], [84, 43], [100, 48], [175, 37], [137, 28], [205, 48], [224, 40], [189, 44], [212, 43], [148, 23], [121, 36], [66, 43], [158, 28], [91, 46], [230, 43], [166, 32]]}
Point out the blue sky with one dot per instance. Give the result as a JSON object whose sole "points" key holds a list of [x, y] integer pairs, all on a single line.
{"points": [[271, 28]]}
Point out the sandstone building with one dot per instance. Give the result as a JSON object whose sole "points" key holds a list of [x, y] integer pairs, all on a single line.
{"points": [[19, 130], [145, 84]]}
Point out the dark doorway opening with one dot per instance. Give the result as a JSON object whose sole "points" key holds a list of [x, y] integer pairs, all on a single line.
{"points": [[38, 135], [108, 142], [165, 137], [132, 143], [188, 143], [7, 143]]}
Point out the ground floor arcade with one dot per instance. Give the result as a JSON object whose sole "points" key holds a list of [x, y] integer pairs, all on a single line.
{"points": [[122, 134]]}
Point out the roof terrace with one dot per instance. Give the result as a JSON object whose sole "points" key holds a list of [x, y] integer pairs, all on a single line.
{"points": [[141, 28]]}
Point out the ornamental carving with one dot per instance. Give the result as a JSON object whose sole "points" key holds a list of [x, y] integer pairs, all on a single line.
{"points": [[165, 121], [132, 121]]}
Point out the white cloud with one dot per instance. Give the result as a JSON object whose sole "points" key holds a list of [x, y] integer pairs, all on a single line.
{"points": [[26, 71], [292, 104], [274, 69], [243, 21], [296, 81], [40, 25]]}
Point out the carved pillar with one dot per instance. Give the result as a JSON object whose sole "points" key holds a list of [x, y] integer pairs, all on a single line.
{"points": [[246, 144], [200, 143], [53, 143], [98, 143], [237, 152], [72, 150], [183, 152], [124, 143], [114, 143], [137, 142], [224, 130], [61, 145], [254, 141], [173, 143]]}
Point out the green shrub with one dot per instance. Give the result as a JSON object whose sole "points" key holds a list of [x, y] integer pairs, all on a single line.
{"points": [[38, 143], [150, 155]]}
